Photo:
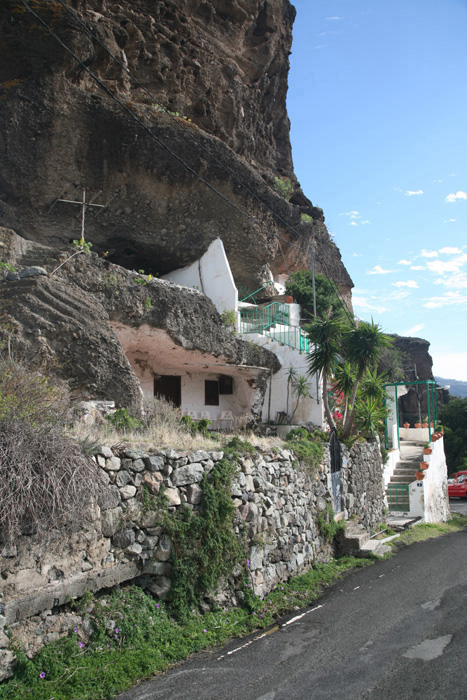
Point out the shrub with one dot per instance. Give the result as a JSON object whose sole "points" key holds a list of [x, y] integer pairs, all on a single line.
{"points": [[229, 319], [27, 395], [123, 420], [46, 479], [284, 187], [308, 447]]}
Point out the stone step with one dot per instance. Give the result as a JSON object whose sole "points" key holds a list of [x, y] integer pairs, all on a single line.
{"points": [[403, 479]]}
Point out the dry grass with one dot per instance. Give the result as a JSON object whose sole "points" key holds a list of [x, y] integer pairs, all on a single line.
{"points": [[163, 430], [46, 480]]}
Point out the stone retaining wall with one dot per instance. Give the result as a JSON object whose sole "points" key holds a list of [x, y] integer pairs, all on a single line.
{"points": [[277, 503]]}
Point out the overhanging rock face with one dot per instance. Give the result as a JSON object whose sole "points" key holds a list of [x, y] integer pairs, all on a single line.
{"points": [[224, 66], [68, 319]]}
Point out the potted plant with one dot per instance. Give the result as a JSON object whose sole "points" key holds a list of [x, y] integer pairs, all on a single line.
{"points": [[406, 425], [419, 475], [424, 465], [427, 449], [425, 422], [417, 425]]}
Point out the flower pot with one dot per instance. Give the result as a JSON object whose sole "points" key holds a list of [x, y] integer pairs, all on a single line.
{"points": [[417, 425], [289, 300], [406, 425], [419, 475], [427, 450], [424, 465], [424, 425]]}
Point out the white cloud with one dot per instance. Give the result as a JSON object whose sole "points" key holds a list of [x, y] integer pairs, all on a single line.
{"points": [[457, 281], [436, 181], [411, 193], [458, 195], [449, 299], [442, 267], [378, 270], [333, 18], [450, 365], [410, 283], [450, 251], [449, 221], [417, 267], [404, 262], [414, 330], [356, 219], [429, 253], [367, 304]]}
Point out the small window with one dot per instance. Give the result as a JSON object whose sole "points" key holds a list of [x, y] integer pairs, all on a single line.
{"points": [[211, 392], [225, 384]]}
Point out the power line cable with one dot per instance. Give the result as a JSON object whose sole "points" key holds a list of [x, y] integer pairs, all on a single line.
{"points": [[178, 123], [151, 133], [167, 148]]}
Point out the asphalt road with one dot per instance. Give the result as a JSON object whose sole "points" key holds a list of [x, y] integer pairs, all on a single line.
{"points": [[394, 631], [458, 505]]}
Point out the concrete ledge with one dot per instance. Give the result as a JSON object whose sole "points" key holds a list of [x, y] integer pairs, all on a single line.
{"points": [[60, 593]]}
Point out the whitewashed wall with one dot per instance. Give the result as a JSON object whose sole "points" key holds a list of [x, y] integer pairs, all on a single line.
{"points": [[435, 485], [211, 274], [240, 403], [308, 409]]}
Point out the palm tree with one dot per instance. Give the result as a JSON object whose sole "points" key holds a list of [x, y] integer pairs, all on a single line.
{"points": [[345, 379], [363, 344], [326, 336], [300, 389]]}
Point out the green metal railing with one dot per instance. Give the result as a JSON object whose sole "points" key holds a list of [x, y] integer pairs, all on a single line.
{"points": [[245, 294], [398, 497], [427, 385], [264, 320]]}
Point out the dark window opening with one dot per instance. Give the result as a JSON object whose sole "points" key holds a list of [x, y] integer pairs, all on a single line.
{"points": [[211, 392], [225, 384], [170, 387]]}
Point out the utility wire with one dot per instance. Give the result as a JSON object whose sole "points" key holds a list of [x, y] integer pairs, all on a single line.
{"points": [[179, 123], [166, 147], [151, 133]]}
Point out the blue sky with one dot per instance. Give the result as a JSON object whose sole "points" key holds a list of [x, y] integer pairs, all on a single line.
{"points": [[378, 105]]}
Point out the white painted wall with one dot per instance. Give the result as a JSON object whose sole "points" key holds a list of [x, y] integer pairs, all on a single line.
{"points": [[435, 485], [417, 499], [240, 403], [417, 434], [308, 409], [391, 405], [211, 274]]}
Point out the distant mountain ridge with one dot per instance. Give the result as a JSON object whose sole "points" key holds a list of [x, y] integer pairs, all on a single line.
{"points": [[456, 387]]}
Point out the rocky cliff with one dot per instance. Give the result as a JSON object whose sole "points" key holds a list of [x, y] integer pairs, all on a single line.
{"points": [[220, 69]]}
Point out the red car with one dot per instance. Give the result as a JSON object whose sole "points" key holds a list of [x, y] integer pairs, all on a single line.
{"points": [[457, 485]]}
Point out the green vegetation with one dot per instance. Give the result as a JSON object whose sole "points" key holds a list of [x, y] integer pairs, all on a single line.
{"points": [[327, 526], [349, 351], [196, 426], [205, 548], [284, 187], [83, 246], [124, 421], [425, 531], [229, 319], [308, 447], [300, 286], [454, 417], [136, 637], [306, 219]]}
